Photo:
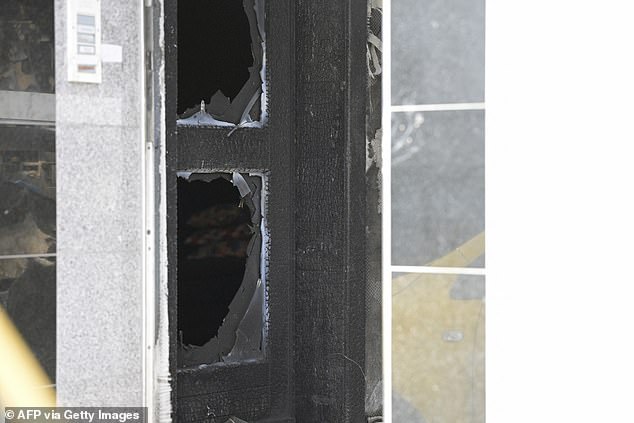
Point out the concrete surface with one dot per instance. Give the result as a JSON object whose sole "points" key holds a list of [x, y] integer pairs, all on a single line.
{"points": [[100, 226], [437, 183], [438, 211], [437, 51]]}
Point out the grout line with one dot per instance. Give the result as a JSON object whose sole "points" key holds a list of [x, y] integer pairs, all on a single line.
{"points": [[23, 256], [436, 107], [440, 270], [386, 210]]}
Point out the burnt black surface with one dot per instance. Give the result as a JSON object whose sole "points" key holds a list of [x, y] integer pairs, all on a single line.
{"points": [[330, 211], [214, 50], [313, 148], [251, 391]]}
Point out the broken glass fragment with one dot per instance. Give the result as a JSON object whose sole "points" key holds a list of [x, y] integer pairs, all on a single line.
{"points": [[220, 278]]}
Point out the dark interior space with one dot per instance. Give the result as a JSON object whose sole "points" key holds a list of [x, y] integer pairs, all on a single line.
{"points": [[214, 50], [213, 235], [27, 59], [28, 227]]}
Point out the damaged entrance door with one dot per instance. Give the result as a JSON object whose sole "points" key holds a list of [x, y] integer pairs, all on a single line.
{"points": [[271, 93], [229, 187]]}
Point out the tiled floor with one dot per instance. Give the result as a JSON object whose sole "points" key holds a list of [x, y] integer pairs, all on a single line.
{"points": [[437, 51], [438, 346], [437, 189], [437, 183]]}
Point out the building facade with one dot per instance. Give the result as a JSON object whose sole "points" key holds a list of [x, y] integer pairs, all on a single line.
{"points": [[146, 145]]}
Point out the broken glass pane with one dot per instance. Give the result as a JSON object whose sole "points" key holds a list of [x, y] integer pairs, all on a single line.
{"points": [[220, 282], [221, 63]]}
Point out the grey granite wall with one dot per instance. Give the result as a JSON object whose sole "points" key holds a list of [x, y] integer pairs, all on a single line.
{"points": [[100, 220]]}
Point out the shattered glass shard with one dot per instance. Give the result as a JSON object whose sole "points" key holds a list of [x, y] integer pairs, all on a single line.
{"points": [[219, 104]]}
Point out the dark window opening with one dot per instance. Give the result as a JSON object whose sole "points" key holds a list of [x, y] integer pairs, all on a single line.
{"points": [[27, 175], [219, 278], [28, 237], [213, 237], [27, 57], [220, 59]]}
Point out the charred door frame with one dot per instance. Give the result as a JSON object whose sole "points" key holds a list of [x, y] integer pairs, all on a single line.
{"points": [[313, 147], [250, 390]]}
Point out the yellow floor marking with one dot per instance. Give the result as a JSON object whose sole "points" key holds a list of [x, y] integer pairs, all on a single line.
{"points": [[464, 255], [443, 379]]}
